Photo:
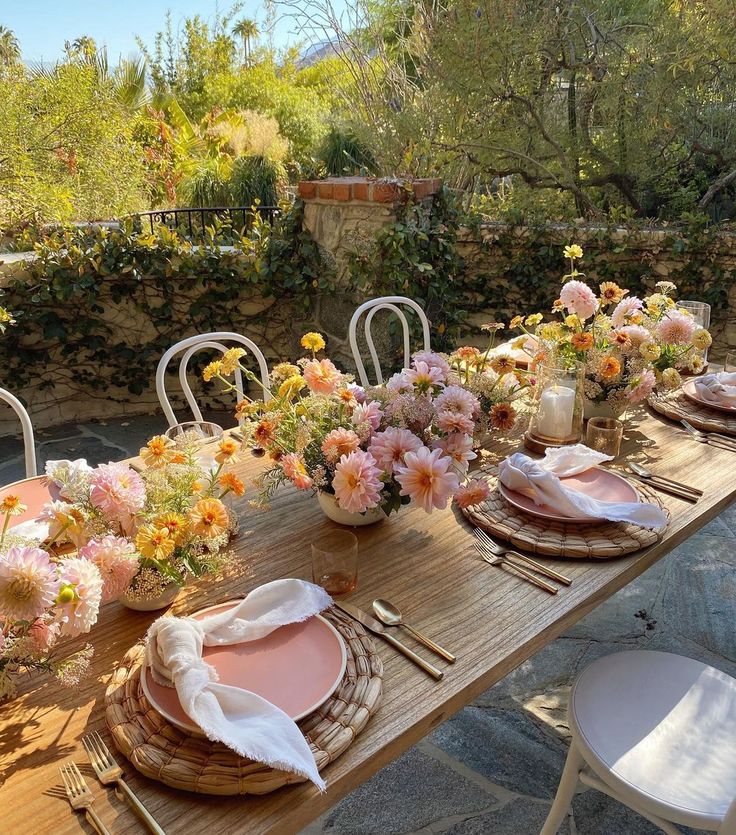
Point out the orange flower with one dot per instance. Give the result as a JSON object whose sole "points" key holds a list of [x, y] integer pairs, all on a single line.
{"points": [[611, 293], [209, 518], [265, 432], [158, 452], [503, 364], [609, 368], [621, 338], [503, 416], [582, 341], [231, 483], [247, 408], [154, 543], [12, 506], [227, 451], [175, 523]]}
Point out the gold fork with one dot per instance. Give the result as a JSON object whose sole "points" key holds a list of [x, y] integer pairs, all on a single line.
{"points": [[80, 797], [109, 773]]}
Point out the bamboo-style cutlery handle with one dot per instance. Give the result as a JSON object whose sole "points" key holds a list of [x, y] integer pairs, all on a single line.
{"points": [[430, 644], [412, 656]]}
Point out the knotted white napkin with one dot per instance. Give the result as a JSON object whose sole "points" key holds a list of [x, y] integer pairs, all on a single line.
{"points": [[540, 480], [717, 388], [244, 721]]}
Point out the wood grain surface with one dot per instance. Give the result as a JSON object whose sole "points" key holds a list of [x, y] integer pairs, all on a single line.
{"points": [[426, 564]]}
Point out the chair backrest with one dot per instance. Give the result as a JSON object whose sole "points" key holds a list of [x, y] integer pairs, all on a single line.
{"points": [[25, 422], [372, 307], [189, 347], [728, 827]]}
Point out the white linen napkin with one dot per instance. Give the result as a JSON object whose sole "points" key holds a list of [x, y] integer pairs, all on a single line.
{"points": [[717, 388], [249, 724], [540, 480]]}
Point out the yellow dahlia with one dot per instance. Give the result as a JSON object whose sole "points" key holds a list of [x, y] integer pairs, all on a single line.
{"points": [[154, 543]]}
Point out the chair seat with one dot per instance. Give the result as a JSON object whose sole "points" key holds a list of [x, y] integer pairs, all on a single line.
{"points": [[661, 730]]}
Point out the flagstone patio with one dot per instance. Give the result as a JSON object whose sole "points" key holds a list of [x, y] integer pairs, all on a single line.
{"points": [[493, 768]]}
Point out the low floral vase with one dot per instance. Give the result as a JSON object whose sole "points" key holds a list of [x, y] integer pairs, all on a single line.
{"points": [[602, 410], [151, 604], [332, 510]]}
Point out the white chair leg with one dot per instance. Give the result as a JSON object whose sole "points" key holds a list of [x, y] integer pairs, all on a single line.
{"points": [[565, 791]]}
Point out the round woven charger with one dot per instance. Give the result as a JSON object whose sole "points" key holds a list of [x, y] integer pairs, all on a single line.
{"points": [[182, 760], [556, 539], [674, 404]]}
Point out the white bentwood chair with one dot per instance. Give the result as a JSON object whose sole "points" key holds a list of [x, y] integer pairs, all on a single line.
{"points": [[658, 732], [190, 346], [372, 307], [27, 426]]}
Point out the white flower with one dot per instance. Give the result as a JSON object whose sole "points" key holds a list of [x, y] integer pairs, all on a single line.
{"points": [[71, 476], [28, 583]]}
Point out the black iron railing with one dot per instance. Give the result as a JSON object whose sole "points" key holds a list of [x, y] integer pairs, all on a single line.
{"points": [[194, 220]]}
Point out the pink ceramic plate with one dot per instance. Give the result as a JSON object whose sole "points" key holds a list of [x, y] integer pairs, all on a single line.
{"points": [[597, 483], [34, 493], [297, 668], [689, 390]]}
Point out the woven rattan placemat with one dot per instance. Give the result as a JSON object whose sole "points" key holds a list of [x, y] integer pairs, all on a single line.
{"points": [[162, 751], [674, 404], [556, 539]]}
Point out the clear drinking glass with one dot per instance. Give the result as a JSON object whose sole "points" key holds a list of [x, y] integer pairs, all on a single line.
{"points": [[194, 432], [335, 561], [604, 435], [700, 311]]}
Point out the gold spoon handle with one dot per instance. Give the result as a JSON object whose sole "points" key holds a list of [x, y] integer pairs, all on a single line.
{"points": [[412, 656], [430, 644]]}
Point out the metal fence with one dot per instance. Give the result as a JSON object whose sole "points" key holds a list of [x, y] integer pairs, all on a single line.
{"points": [[194, 220]]}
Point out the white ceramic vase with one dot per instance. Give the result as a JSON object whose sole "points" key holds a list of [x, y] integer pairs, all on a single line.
{"points": [[332, 510], [166, 598]]}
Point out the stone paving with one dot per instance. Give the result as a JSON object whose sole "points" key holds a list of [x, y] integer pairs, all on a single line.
{"points": [[493, 768]]}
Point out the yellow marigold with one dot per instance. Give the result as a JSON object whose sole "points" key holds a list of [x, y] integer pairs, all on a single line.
{"points": [[227, 451], [12, 506], [231, 360], [551, 332], [533, 320], [649, 351], [313, 342], [158, 452], [154, 543], [609, 368], [582, 341], [702, 339], [231, 484], [176, 524], [503, 364], [212, 369], [573, 251], [208, 518], [291, 387], [283, 370], [572, 321], [611, 293], [516, 322], [503, 416], [671, 378]]}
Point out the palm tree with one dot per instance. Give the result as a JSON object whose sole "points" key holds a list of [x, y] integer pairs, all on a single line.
{"points": [[247, 30], [9, 47], [83, 47]]}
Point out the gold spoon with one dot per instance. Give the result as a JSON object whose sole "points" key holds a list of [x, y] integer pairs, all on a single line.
{"points": [[389, 615]]}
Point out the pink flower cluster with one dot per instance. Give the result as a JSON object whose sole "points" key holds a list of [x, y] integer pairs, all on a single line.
{"points": [[117, 561], [357, 482], [119, 492], [579, 299]]}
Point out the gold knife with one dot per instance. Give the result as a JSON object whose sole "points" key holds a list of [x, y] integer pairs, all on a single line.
{"points": [[377, 628]]}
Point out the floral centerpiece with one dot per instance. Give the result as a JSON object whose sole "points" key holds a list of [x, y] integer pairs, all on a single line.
{"points": [[628, 345], [367, 451]]}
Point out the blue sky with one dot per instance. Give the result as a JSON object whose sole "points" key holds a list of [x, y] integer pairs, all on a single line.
{"points": [[42, 26]]}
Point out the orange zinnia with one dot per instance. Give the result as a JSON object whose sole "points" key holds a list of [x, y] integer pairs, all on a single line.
{"points": [[209, 518], [227, 450], [231, 483], [609, 368], [503, 416], [582, 341]]}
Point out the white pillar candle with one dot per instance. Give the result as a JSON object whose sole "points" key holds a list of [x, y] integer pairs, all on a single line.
{"points": [[555, 415]]}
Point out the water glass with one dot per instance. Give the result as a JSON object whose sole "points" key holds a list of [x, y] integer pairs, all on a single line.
{"points": [[604, 435], [730, 363], [700, 311], [335, 561], [194, 433]]}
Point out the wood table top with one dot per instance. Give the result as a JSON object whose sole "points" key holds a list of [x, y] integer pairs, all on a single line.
{"points": [[424, 563]]}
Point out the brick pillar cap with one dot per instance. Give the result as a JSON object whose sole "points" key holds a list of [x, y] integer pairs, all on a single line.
{"points": [[369, 189]]}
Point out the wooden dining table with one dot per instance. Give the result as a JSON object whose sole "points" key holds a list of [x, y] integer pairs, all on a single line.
{"points": [[424, 563]]}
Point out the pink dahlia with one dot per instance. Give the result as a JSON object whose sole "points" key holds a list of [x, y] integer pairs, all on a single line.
{"points": [[457, 399], [357, 483], [422, 376], [473, 492], [295, 470], [80, 595], [637, 334], [368, 413], [322, 377], [433, 361], [117, 560], [641, 387], [676, 328], [459, 448], [398, 382], [28, 583], [43, 632], [624, 310], [390, 447], [427, 478], [339, 442], [579, 299], [455, 422], [118, 491]]}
